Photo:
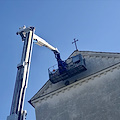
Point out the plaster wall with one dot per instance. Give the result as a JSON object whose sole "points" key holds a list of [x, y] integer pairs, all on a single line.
{"points": [[95, 62], [98, 99]]}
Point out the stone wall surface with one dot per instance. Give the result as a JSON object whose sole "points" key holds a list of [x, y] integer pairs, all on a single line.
{"points": [[95, 62], [98, 99]]}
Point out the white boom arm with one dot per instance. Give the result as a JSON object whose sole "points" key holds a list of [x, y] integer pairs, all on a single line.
{"points": [[42, 42], [27, 35], [17, 112]]}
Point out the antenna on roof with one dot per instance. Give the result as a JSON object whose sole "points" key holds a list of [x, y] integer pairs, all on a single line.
{"points": [[75, 43]]}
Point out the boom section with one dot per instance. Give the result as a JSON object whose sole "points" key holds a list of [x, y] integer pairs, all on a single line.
{"points": [[42, 42], [17, 112]]}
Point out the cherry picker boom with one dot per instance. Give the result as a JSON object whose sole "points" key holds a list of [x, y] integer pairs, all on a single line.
{"points": [[66, 69], [27, 35]]}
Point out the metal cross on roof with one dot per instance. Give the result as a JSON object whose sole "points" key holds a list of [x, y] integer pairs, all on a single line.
{"points": [[75, 43]]}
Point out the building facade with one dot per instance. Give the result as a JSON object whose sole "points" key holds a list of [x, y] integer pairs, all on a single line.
{"points": [[91, 95]]}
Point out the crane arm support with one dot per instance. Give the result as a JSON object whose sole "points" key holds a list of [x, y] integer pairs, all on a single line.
{"points": [[42, 42], [17, 112]]}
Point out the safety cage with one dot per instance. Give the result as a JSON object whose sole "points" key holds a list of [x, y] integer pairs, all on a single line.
{"points": [[75, 65]]}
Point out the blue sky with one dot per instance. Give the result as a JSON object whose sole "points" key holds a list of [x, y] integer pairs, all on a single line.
{"points": [[96, 23]]}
